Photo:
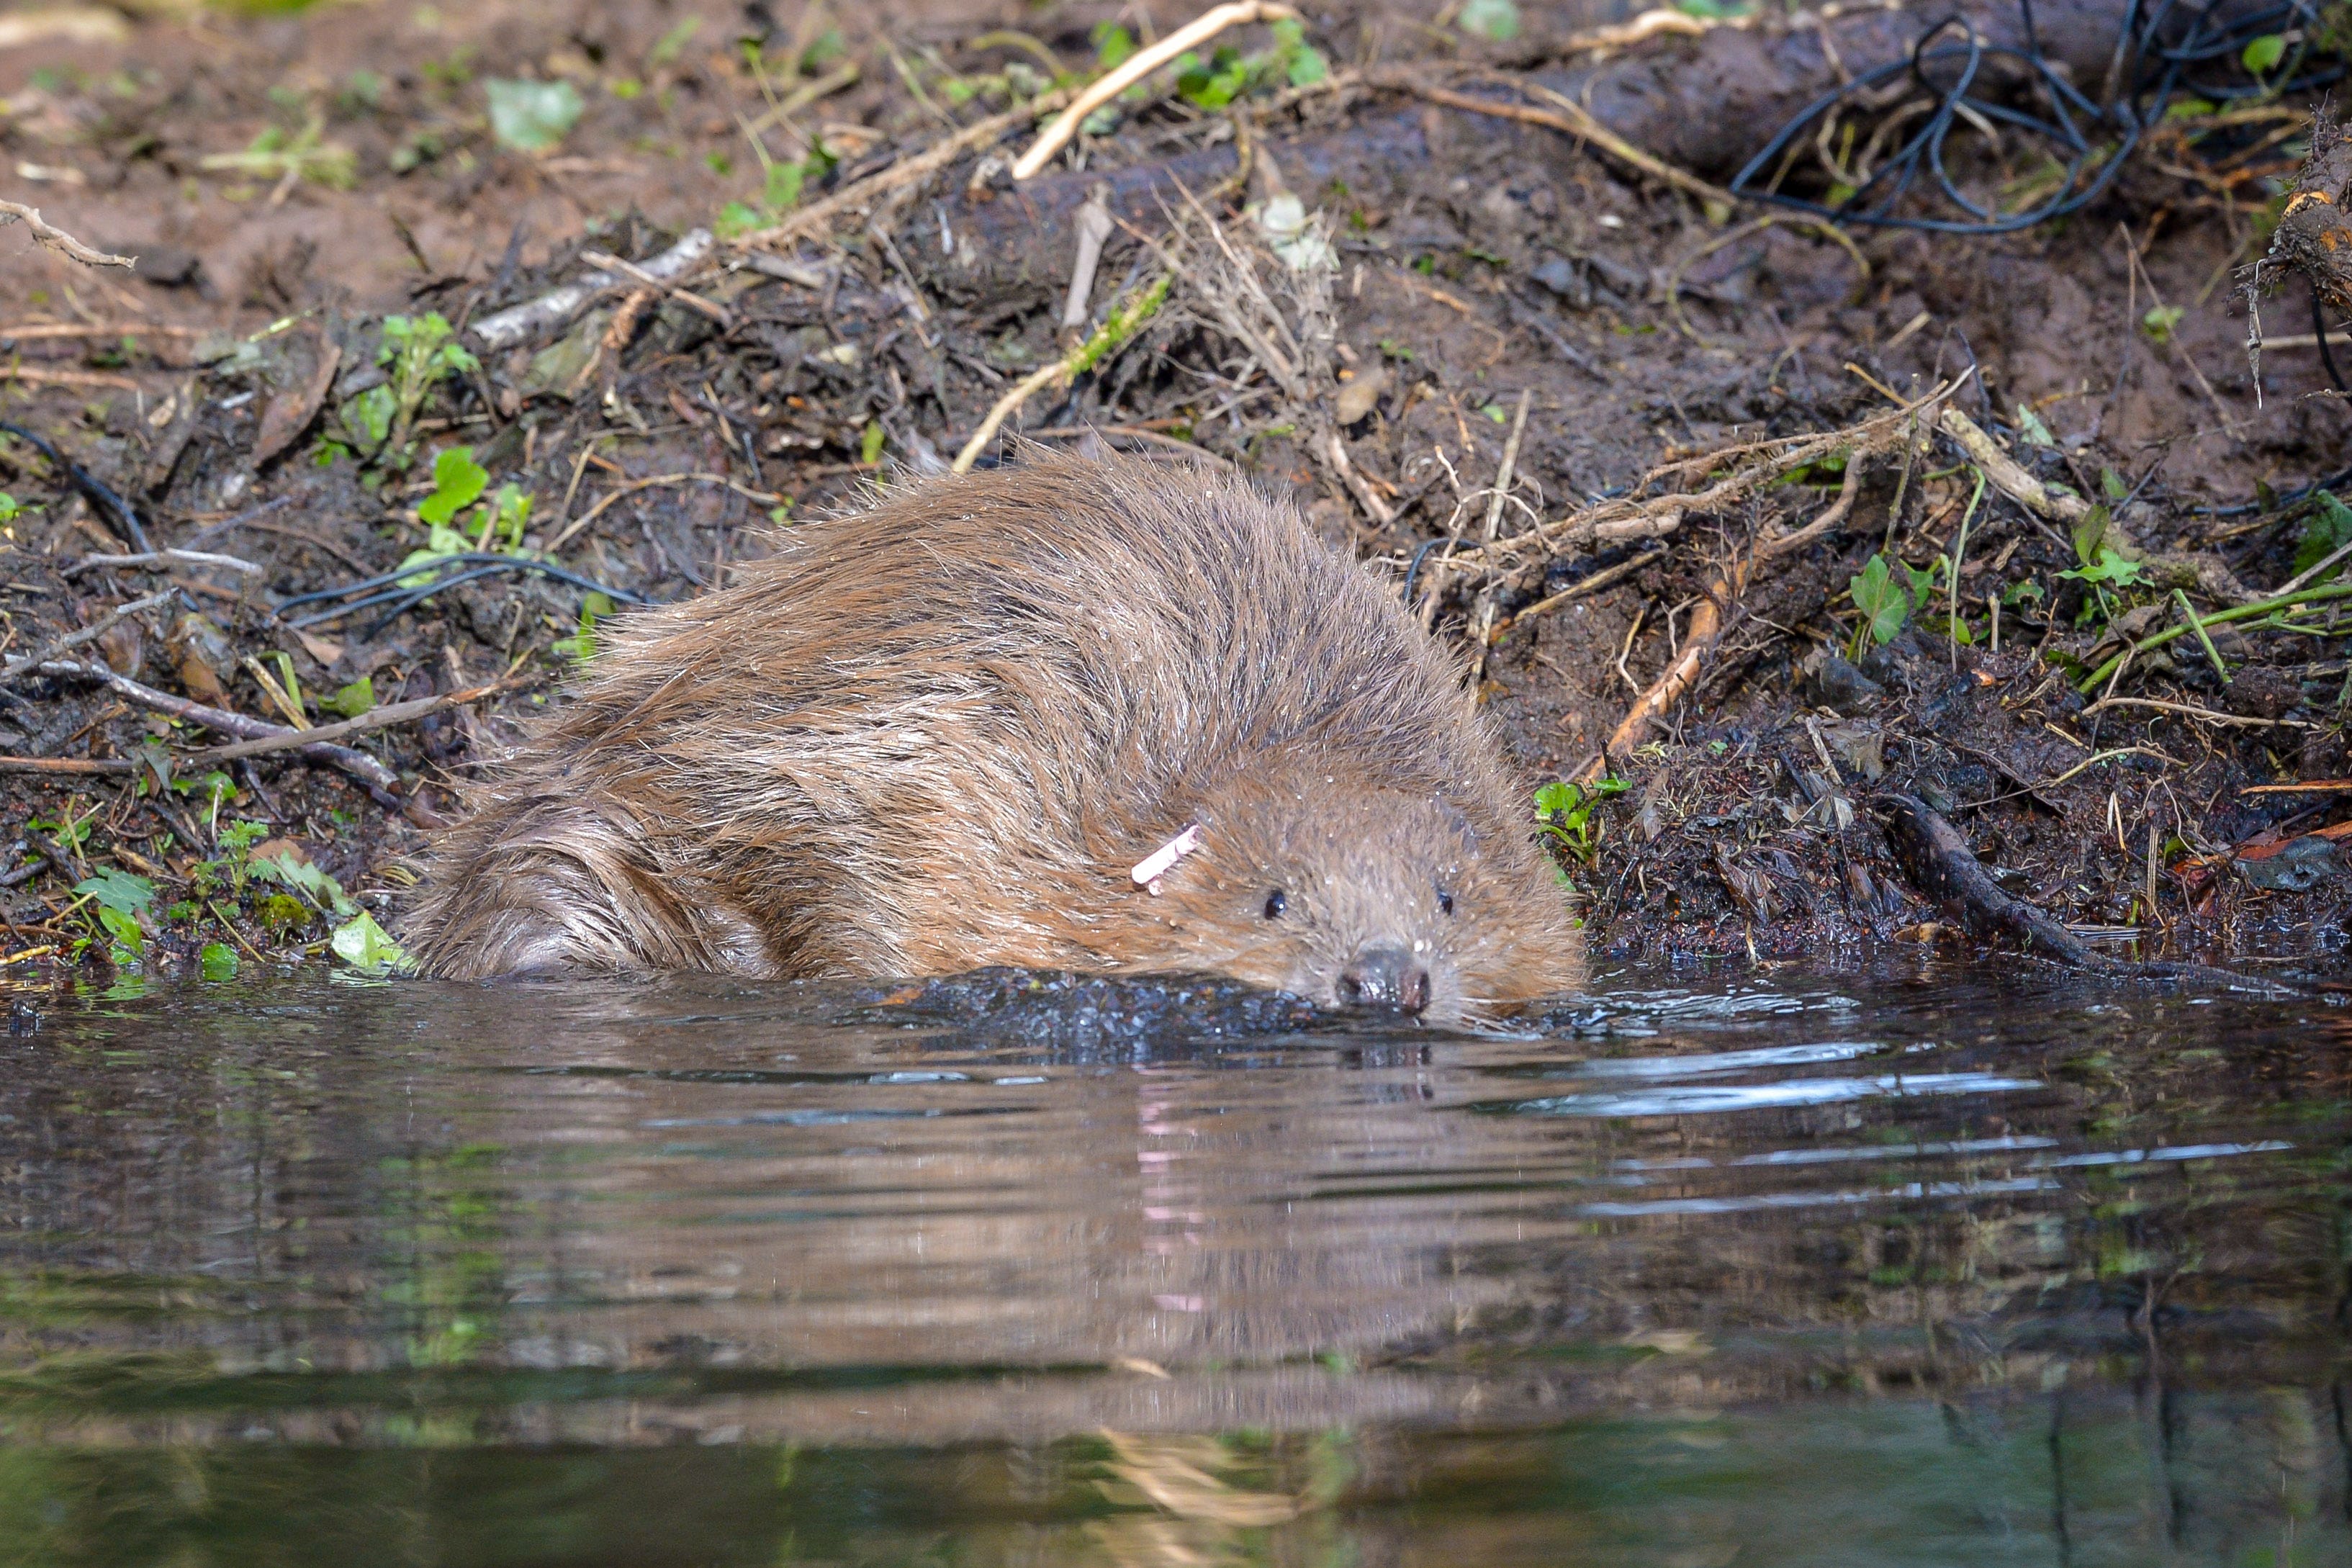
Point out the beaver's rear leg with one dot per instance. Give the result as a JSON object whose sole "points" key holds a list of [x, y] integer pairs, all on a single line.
{"points": [[542, 886]]}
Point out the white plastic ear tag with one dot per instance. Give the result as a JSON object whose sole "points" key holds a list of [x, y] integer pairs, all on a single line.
{"points": [[1162, 860]]}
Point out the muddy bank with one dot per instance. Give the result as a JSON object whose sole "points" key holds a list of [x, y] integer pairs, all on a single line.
{"points": [[1340, 279]]}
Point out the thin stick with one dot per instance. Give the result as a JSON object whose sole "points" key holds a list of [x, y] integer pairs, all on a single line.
{"points": [[58, 239], [1568, 117], [692, 300], [39, 330], [634, 486], [1137, 66], [90, 632], [160, 557], [1005, 406], [382, 717], [1607, 578], [921, 166], [358, 764], [2204, 715]]}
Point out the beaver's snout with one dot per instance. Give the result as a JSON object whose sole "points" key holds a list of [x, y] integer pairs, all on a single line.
{"points": [[1385, 977]]}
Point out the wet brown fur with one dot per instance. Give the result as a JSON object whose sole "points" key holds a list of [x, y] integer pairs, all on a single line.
{"points": [[937, 734]]}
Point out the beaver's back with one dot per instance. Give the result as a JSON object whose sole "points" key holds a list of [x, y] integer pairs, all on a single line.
{"points": [[919, 737]]}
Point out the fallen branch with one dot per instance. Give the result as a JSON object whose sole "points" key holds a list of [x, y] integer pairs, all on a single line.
{"points": [[53, 238], [505, 328], [383, 718], [358, 764], [720, 314], [1137, 66], [1609, 577], [35, 375], [2007, 476], [1937, 858]]}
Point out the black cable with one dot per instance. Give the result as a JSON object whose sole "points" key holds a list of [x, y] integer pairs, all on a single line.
{"points": [[1412, 572], [2319, 330], [2163, 51], [89, 485]]}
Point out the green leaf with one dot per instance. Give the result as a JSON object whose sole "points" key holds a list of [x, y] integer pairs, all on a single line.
{"points": [[368, 416], [457, 482], [2263, 53], [369, 948], [2160, 320], [532, 116], [354, 700], [216, 960], [869, 445], [735, 220], [1113, 43], [1556, 796], [2031, 430], [1496, 19], [2089, 533], [2110, 569], [304, 877], [1919, 581], [1884, 605], [2113, 484], [129, 941], [2327, 530], [117, 890]]}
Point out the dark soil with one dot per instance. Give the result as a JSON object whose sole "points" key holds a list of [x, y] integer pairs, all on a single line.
{"points": [[1478, 258]]}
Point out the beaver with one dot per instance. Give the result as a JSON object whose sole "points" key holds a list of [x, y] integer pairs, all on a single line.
{"points": [[1077, 713]]}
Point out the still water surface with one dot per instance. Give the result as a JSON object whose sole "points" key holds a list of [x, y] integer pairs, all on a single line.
{"points": [[1885, 1266]]}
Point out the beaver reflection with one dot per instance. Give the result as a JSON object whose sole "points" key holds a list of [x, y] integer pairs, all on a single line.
{"points": [[1090, 715]]}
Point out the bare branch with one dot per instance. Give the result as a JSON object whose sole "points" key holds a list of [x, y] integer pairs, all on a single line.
{"points": [[58, 239]]}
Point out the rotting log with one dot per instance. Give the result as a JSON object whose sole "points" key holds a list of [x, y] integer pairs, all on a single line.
{"points": [[2314, 235]]}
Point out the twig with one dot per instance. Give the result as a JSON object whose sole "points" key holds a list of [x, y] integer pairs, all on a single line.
{"points": [[35, 375], [1568, 117], [1608, 577], [35, 330], [2317, 569], [382, 717], [1137, 66], [1483, 619], [906, 172], [2318, 595], [634, 486], [90, 632], [1094, 225], [58, 239], [2007, 477], [2205, 715], [692, 300], [507, 328], [160, 557], [1116, 328], [358, 764], [1828, 522]]}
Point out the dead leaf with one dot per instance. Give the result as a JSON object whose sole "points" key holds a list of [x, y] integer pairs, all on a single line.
{"points": [[1361, 395], [290, 412]]}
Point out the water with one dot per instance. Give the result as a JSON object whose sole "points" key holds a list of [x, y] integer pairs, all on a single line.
{"points": [[1881, 1267]]}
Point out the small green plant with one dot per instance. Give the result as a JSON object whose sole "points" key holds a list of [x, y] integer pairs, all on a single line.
{"points": [[1564, 813], [532, 116], [217, 787], [118, 900], [352, 700], [2160, 321], [10, 510], [581, 647], [781, 182], [419, 353], [2263, 55], [2325, 530], [1227, 74], [1496, 19], [290, 157], [1884, 603], [216, 960], [457, 483], [2102, 567]]}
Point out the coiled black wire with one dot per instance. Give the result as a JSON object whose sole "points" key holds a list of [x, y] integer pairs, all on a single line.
{"points": [[2165, 48]]}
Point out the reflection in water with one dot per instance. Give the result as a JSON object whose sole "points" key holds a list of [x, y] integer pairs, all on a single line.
{"points": [[1871, 1270]]}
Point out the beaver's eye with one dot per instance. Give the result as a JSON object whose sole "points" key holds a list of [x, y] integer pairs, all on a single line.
{"points": [[1445, 902], [1275, 902]]}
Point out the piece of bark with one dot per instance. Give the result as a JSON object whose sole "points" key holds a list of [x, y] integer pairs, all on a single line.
{"points": [[290, 412]]}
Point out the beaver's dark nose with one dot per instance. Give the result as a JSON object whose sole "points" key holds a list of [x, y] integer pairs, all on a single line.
{"points": [[1385, 977]]}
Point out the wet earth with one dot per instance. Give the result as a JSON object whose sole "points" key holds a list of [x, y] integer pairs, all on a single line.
{"points": [[1892, 1263]]}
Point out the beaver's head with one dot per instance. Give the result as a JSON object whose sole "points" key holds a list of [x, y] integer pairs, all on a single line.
{"points": [[1346, 890]]}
